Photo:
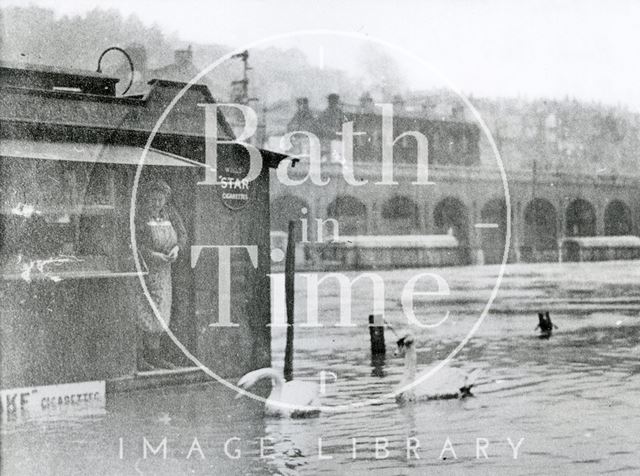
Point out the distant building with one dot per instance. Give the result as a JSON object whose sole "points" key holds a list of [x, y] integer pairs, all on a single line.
{"points": [[181, 70], [559, 135], [450, 142], [556, 157]]}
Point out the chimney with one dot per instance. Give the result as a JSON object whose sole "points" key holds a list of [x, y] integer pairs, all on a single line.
{"points": [[398, 104], [333, 101], [331, 119], [138, 55], [366, 103], [303, 119], [457, 112], [303, 104], [183, 57]]}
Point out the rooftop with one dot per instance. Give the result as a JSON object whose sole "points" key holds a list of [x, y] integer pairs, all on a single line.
{"points": [[52, 78]]}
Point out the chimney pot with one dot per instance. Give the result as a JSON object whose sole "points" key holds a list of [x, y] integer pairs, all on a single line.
{"points": [[183, 57], [333, 99]]}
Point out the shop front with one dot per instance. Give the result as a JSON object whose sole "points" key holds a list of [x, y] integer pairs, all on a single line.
{"points": [[71, 289]]}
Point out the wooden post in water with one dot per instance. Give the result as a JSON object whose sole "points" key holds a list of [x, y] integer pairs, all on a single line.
{"points": [[376, 333], [289, 289]]}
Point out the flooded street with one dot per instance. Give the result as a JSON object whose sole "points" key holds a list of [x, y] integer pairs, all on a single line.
{"points": [[570, 402]]}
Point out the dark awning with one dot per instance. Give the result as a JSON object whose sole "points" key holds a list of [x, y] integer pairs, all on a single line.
{"points": [[109, 153], [85, 152]]}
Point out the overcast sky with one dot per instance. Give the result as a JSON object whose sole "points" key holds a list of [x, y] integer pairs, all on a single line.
{"points": [[581, 48]]}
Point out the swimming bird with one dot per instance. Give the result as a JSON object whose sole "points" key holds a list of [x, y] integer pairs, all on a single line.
{"points": [[545, 325], [294, 399], [445, 384]]}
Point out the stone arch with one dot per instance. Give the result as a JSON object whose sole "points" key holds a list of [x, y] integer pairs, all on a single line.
{"points": [[580, 218], [400, 216], [617, 219], [451, 215], [350, 213], [540, 239]]}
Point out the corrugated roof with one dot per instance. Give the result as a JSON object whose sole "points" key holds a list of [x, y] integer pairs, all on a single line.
{"points": [[626, 241]]}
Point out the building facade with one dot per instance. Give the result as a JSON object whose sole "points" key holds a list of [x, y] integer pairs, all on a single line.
{"points": [[467, 198]]}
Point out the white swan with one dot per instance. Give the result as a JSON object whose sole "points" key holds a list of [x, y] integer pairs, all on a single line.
{"points": [[444, 384], [293, 399]]}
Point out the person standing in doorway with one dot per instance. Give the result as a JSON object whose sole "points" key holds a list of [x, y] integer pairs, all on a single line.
{"points": [[161, 237]]}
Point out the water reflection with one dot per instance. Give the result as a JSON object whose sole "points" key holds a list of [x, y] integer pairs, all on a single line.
{"points": [[377, 365], [293, 443]]}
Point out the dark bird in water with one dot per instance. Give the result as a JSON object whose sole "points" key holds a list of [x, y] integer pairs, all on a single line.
{"points": [[545, 325]]}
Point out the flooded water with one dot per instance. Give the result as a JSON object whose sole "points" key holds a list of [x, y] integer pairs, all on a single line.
{"points": [[570, 403]]}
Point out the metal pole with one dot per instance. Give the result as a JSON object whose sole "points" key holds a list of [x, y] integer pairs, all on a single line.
{"points": [[289, 289], [126, 55]]}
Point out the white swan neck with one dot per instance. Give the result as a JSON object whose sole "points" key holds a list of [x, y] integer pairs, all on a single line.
{"points": [[410, 358], [276, 386]]}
